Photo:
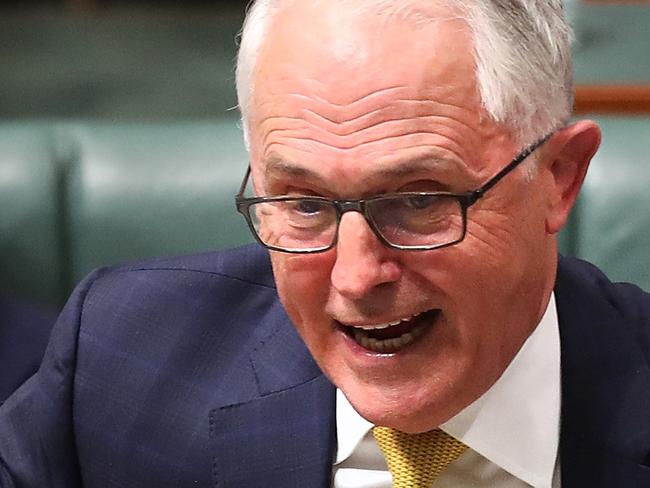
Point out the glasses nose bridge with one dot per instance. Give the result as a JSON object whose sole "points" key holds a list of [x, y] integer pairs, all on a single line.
{"points": [[361, 206], [350, 206]]}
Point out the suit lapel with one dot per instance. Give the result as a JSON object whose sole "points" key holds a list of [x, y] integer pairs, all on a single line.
{"points": [[286, 436], [585, 464], [284, 439], [605, 431]]}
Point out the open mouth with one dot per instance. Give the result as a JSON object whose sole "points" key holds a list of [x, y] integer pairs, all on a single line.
{"points": [[393, 336]]}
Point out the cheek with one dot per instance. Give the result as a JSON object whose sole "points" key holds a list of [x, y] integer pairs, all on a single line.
{"points": [[480, 277], [500, 260], [303, 283], [502, 243], [493, 281]]}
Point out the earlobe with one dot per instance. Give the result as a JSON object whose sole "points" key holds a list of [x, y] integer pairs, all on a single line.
{"points": [[571, 150]]}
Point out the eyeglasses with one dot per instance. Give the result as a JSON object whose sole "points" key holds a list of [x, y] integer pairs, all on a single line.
{"points": [[409, 221]]}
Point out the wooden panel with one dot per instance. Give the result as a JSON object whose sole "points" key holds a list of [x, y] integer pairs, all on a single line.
{"points": [[613, 99]]}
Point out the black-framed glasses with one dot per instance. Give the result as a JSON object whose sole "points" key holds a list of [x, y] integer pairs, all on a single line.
{"points": [[409, 221]]}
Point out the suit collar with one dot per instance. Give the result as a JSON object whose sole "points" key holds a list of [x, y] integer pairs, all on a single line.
{"points": [[281, 360], [605, 398]]}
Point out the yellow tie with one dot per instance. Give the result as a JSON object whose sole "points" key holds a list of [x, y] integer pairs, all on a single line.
{"points": [[416, 460]]}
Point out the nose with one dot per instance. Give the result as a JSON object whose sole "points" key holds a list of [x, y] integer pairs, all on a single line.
{"points": [[362, 261]]}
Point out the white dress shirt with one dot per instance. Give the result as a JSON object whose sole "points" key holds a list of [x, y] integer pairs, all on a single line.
{"points": [[512, 430]]}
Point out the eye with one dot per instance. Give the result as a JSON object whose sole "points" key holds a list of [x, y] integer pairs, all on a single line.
{"points": [[308, 214], [420, 202], [308, 207]]}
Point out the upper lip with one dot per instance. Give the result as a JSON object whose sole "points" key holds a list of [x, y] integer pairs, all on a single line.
{"points": [[384, 325]]}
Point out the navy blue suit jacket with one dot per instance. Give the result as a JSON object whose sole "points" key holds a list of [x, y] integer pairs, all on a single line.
{"points": [[24, 330], [187, 372]]}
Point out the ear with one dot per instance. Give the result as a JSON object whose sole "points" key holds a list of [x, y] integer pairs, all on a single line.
{"points": [[570, 151]]}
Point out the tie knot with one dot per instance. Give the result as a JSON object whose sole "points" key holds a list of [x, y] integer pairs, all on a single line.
{"points": [[416, 460]]}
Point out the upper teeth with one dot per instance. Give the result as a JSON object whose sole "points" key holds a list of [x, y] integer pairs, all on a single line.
{"points": [[387, 324]]}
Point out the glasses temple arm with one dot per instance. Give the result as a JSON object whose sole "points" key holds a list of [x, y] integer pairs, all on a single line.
{"points": [[244, 182], [478, 193]]}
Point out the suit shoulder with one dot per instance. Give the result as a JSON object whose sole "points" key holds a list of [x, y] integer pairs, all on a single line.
{"points": [[586, 287], [201, 315], [248, 263], [233, 285], [625, 297]]}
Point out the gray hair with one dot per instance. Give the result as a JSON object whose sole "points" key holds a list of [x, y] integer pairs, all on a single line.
{"points": [[522, 51]]}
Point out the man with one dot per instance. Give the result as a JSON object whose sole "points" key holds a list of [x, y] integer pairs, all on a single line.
{"points": [[412, 165]]}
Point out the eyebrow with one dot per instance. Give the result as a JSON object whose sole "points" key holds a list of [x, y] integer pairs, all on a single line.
{"points": [[277, 166]]}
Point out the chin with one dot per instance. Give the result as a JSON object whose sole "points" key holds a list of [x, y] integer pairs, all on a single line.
{"points": [[411, 421], [408, 411]]}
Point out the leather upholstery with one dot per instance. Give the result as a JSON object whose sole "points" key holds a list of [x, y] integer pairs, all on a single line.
{"points": [[78, 196], [30, 253], [164, 189], [610, 225]]}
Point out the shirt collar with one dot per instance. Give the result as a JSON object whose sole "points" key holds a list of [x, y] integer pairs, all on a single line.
{"points": [[515, 424], [350, 428]]}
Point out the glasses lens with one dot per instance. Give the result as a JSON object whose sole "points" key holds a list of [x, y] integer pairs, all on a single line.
{"points": [[300, 224], [418, 219]]}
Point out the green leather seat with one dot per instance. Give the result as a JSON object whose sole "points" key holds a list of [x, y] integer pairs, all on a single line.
{"points": [[77, 196], [611, 224], [30, 246], [137, 191]]}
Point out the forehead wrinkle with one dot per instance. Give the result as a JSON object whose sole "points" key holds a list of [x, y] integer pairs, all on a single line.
{"points": [[334, 120], [345, 121], [383, 115], [331, 110], [346, 130], [346, 141], [363, 98], [344, 145]]}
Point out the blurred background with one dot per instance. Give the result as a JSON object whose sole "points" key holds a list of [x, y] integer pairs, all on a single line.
{"points": [[161, 60], [119, 136], [117, 60]]}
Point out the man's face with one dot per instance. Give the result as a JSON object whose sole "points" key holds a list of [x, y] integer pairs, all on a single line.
{"points": [[351, 107]]}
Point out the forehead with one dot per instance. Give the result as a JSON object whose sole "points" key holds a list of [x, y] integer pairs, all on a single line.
{"points": [[365, 86], [325, 43]]}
